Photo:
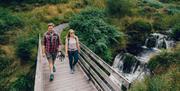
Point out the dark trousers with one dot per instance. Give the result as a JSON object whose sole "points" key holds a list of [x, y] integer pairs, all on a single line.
{"points": [[73, 55]]}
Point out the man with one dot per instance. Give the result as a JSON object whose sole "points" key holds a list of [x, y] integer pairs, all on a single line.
{"points": [[51, 46]]}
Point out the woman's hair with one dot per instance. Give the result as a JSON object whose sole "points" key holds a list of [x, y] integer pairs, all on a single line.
{"points": [[68, 34]]}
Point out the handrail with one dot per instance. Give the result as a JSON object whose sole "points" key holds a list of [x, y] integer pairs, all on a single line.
{"points": [[110, 81], [38, 86]]}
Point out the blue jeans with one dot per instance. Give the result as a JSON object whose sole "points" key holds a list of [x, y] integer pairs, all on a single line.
{"points": [[73, 55]]}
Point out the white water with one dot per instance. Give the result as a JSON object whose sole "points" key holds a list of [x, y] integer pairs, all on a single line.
{"points": [[144, 56]]}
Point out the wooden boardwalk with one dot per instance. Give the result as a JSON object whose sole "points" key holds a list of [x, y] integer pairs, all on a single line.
{"points": [[91, 74], [63, 80]]}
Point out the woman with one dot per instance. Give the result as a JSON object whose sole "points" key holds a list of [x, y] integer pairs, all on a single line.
{"points": [[72, 49]]}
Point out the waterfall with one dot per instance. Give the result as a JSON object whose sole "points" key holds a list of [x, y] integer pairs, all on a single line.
{"points": [[159, 40], [134, 67]]}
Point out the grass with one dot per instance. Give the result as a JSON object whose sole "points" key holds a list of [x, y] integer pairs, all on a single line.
{"points": [[35, 19], [164, 82], [35, 22]]}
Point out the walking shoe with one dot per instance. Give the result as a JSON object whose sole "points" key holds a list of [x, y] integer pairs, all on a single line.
{"points": [[54, 69], [71, 72], [51, 77], [73, 68]]}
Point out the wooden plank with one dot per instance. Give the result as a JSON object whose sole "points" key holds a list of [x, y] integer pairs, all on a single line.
{"points": [[91, 78], [98, 79], [115, 87], [64, 81], [38, 86], [117, 75]]}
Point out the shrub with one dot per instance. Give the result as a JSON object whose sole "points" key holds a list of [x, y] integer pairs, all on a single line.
{"points": [[4, 62], [119, 8], [8, 21], [137, 33], [164, 82], [63, 35], [172, 11], [4, 39], [33, 1], [166, 22], [23, 83], [159, 25], [141, 26], [176, 32], [24, 48], [160, 63], [168, 1], [92, 30], [154, 3]]}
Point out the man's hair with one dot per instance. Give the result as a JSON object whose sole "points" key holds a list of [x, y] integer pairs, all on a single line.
{"points": [[51, 24]]}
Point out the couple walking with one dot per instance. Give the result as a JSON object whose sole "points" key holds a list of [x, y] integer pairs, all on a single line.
{"points": [[52, 45]]}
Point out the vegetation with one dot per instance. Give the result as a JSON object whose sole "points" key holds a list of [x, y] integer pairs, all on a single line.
{"points": [[137, 34], [119, 8], [176, 32], [8, 21], [165, 73], [100, 36], [106, 26], [33, 1], [20, 27], [24, 48]]}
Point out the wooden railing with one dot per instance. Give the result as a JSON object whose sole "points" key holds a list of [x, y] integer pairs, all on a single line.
{"points": [[38, 86], [103, 76]]}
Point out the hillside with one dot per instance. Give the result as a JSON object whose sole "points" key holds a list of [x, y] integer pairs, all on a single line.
{"points": [[107, 27]]}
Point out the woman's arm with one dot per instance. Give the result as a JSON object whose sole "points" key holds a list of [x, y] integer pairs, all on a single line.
{"points": [[78, 45]]}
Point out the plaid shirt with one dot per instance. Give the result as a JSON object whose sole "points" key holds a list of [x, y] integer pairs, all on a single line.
{"points": [[51, 42]]}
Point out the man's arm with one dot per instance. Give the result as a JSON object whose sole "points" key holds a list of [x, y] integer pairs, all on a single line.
{"points": [[59, 43]]}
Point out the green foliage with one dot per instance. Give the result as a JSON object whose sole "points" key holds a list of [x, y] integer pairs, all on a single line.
{"points": [[176, 32], [160, 63], [24, 82], [4, 39], [119, 8], [165, 67], [154, 3], [92, 30], [168, 1], [141, 26], [21, 84], [4, 60], [8, 21], [24, 48], [165, 82], [63, 35], [33, 1], [172, 11], [138, 32], [163, 22]]}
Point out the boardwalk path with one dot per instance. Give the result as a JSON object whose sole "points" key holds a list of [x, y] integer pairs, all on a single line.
{"points": [[64, 81]]}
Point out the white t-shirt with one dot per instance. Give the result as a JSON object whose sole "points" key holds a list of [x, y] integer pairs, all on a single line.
{"points": [[72, 44]]}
